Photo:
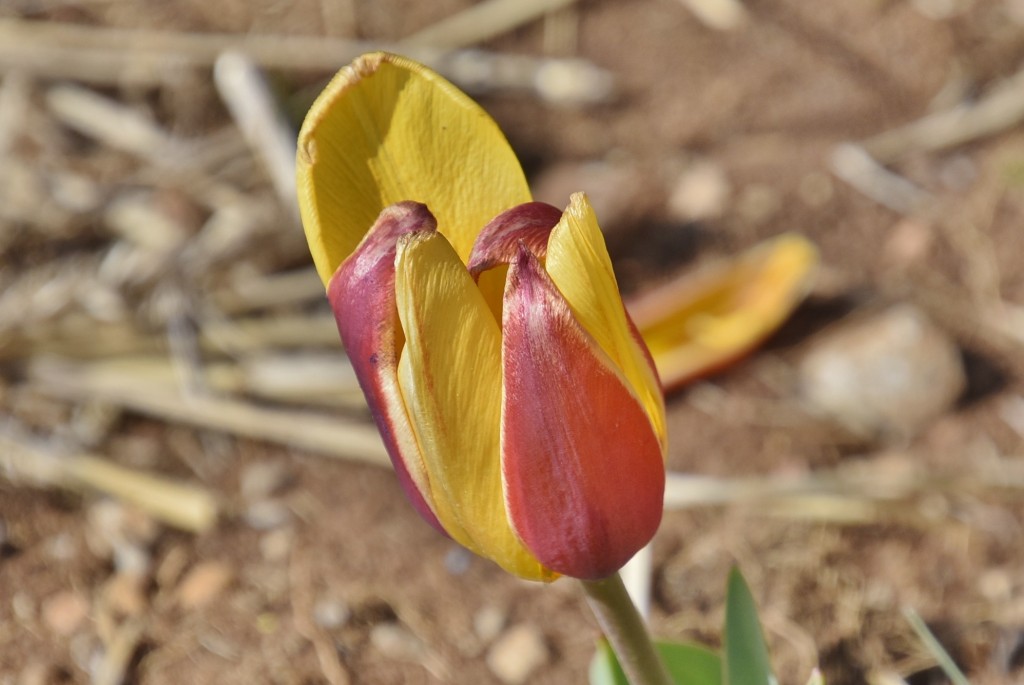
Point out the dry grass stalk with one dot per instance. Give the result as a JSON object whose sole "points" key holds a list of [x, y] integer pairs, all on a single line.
{"points": [[259, 291], [862, 165], [853, 164], [120, 649], [190, 163], [184, 506], [722, 15], [861, 493], [328, 435], [248, 98], [139, 57], [482, 21], [998, 110], [83, 337]]}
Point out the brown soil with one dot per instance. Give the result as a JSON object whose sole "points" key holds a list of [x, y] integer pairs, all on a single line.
{"points": [[765, 104]]}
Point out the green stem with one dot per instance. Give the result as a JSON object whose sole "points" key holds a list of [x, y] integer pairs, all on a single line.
{"points": [[625, 630]]}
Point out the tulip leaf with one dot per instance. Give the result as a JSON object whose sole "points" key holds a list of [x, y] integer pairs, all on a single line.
{"points": [[688, 664], [746, 656]]}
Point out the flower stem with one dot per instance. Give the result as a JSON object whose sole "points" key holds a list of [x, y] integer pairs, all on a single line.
{"points": [[626, 631]]}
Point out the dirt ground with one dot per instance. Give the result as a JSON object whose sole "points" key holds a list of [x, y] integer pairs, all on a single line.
{"points": [[316, 569]]}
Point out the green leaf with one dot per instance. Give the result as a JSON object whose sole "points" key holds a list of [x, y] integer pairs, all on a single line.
{"points": [[690, 664], [746, 656], [687, 664]]}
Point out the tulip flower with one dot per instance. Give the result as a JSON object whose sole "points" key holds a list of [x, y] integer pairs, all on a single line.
{"points": [[519, 405]]}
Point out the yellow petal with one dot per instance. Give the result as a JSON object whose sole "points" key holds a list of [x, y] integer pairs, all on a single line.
{"points": [[703, 321], [578, 263], [387, 129], [450, 376]]}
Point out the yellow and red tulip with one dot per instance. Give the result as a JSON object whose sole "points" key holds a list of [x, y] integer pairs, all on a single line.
{"points": [[518, 403]]}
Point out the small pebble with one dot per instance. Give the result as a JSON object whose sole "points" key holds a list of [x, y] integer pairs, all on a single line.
{"points": [[131, 560], [397, 642], [125, 594], [908, 242], [36, 673], [489, 622], [61, 547], [757, 203], [203, 583], [996, 585], [263, 479], [885, 375], [701, 192], [816, 189], [113, 525], [275, 545], [64, 612], [517, 654], [331, 613], [458, 560], [267, 514], [24, 607]]}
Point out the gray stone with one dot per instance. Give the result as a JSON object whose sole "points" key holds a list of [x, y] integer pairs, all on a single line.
{"points": [[884, 375]]}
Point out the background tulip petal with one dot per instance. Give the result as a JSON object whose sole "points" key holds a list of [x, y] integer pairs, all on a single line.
{"points": [[387, 129], [703, 321], [362, 294], [450, 375], [579, 265], [583, 470]]}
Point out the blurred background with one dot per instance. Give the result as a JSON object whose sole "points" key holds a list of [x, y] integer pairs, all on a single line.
{"points": [[190, 490]]}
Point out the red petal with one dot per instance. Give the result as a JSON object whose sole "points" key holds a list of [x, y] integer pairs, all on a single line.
{"points": [[498, 242], [583, 469], [362, 294]]}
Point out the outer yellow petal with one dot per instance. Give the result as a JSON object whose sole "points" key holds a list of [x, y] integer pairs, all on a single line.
{"points": [[700, 323], [387, 129], [450, 375], [578, 263]]}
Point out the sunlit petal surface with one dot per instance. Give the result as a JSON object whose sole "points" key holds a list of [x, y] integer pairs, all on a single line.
{"points": [[583, 471], [450, 375], [387, 129], [580, 267], [362, 294]]}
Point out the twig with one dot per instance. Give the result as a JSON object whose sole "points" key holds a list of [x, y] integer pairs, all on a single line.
{"points": [[248, 98], [123, 128], [945, 661], [109, 121], [121, 646], [854, 165], [862, 165], [998, 110], [302, 610], [481, 21]]}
